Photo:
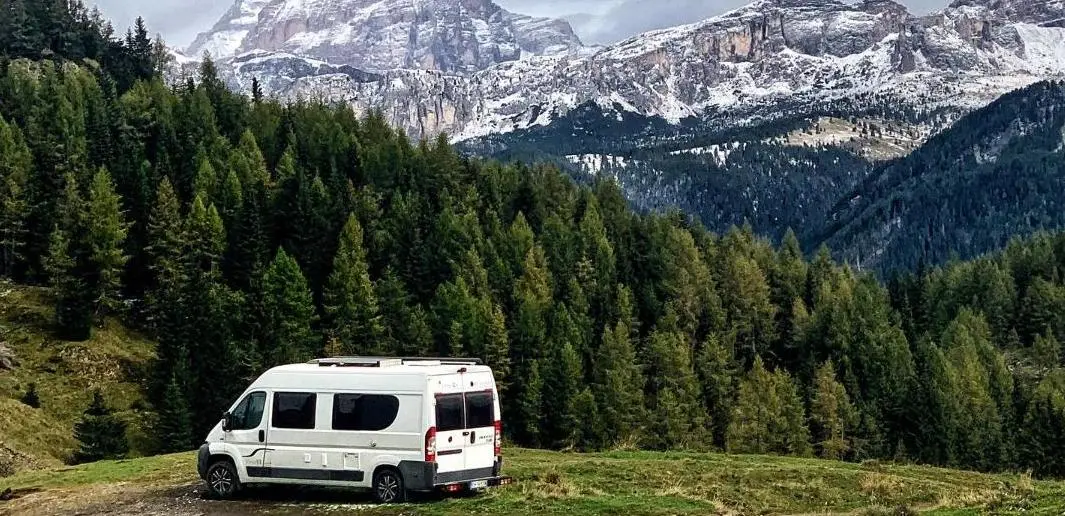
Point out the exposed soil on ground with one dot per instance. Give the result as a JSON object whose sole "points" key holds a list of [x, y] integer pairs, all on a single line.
{"points": [[186, 500]]}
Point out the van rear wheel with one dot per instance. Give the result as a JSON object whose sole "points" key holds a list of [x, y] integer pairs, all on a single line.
{"points": [[388, 487]]}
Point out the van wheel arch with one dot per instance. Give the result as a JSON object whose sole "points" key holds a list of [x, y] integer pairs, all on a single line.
{"points": [[380, 474]]}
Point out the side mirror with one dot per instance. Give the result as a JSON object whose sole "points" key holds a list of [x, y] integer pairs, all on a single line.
{"points": [[227, 421]]}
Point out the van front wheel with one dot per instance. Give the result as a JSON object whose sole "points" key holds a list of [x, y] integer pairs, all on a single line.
{"points": [[222, 479], [388, 487]]}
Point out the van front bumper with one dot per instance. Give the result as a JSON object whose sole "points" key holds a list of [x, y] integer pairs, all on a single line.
{"points": [[423, 476]]}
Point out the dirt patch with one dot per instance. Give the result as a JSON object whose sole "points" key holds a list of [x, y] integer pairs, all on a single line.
{"points": [[8, 361], [187, 500]]}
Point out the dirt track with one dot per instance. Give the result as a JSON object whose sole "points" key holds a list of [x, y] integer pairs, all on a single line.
{"points": [[187, 500]]}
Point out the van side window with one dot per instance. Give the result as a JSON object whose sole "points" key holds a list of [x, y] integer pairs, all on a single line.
{"points": [[449, 412], [249, 412], [293, 410], [480, 412], [364, 412]]}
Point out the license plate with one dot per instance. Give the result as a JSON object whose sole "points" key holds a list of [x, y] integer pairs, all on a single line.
{"points": [[478, 484]]}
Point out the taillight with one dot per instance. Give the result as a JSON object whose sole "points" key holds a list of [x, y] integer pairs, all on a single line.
{"points": [[430, 445], [499, 438]]}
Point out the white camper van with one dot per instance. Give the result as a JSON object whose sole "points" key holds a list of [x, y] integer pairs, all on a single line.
{"points": [[392, 425]]}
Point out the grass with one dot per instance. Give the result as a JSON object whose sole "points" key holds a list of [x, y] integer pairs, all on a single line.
{"points": [[649, 483], [115, 361]]}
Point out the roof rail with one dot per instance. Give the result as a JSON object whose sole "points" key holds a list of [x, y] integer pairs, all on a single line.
{"points": [[360, 361]]}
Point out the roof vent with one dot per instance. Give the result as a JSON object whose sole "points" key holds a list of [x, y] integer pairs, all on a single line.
{"points": [[357, 362]]}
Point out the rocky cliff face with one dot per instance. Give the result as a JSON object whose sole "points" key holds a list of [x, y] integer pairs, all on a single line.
{"points": [[454, 36], [430, 77]]}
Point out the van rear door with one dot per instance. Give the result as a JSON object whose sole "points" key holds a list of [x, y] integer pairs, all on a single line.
{"points": [[481, 416], [450, 424]]}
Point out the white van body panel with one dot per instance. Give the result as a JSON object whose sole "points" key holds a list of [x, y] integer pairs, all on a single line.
{"points": [[287, 445]]}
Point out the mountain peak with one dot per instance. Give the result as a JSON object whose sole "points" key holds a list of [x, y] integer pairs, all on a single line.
{"points": [[452, 36]]}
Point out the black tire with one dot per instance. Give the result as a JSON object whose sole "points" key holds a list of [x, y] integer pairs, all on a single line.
{"points": [[222, 479], [388, 487]]}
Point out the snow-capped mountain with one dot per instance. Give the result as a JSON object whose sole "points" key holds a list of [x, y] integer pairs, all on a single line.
{"points": [[451, 36], [468, 68]]}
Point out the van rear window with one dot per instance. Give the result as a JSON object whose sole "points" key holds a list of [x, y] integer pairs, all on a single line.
{"points": [[364, 412], [480, 411], [449, 412]]}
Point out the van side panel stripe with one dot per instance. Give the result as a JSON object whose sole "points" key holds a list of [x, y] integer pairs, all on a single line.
{"points": [[307, 474]]}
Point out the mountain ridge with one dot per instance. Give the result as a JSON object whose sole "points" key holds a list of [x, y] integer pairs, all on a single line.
{"points": [[770, 51]]}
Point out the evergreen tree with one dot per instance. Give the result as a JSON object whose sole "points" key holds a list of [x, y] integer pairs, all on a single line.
{"points": [[676, 416], [288, 313], [618, 381], [351, 310], [175, 420], [66, 268], [561, 388], [405, 328], [16, 163], [1042, 443], [106, 233], [1047, 351], [831, 414], [769, 416], [716, 369], [31, 398], [100, 434]]}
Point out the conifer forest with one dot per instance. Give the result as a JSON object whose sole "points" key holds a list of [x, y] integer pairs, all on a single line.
{"points": [[242, 233]]}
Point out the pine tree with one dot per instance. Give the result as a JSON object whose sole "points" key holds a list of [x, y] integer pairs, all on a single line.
{"points": [[351, 310], [175, 421], [31, 398], [106, 233], [618, 381], [676, 415], [1047, 351], [288, 313], [716, 370], [16, 163], [831, 414], [561, 388], [1042, 440], [497, 350], [527, 406], [100, 434], [405, 328], [769, 416], [66, 269]]}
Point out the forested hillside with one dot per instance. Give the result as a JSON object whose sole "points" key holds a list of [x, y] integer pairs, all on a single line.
{"points": [[242, 233], [996, 174]]}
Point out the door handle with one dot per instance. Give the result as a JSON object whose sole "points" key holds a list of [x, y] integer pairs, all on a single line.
{"points": [[262, 436], [473, 437]]}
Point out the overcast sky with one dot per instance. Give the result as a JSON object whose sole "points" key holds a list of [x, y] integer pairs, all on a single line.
{"points": [[596, 21]]}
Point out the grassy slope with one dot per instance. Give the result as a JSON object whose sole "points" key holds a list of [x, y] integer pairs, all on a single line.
{"points": [[114, 361], [647, 483]]}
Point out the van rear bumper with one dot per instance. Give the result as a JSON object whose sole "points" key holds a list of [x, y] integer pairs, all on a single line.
{"points": [[423, 476]]}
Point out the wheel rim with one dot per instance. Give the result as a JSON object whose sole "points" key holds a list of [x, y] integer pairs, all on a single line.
{"points": [[387, 487], [221, 480]]}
